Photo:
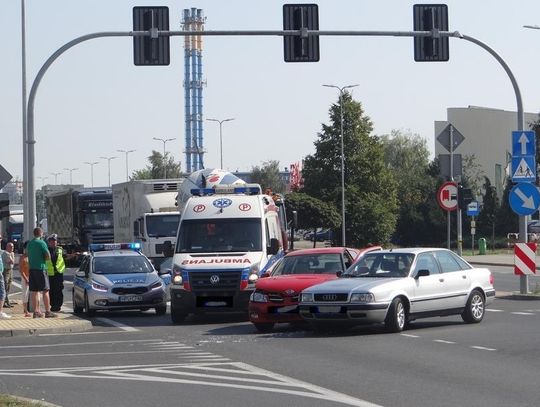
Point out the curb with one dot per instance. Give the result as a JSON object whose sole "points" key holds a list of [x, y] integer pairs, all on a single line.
{"points": [[72, 326]]}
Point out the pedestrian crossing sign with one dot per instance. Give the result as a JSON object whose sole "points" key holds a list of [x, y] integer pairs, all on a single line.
{"points": [[523, 169]]}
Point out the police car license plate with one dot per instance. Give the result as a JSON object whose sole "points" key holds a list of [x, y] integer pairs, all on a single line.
{"points": [[330, 308], [131, 298]]}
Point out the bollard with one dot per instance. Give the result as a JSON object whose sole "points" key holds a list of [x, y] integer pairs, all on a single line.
{"points": [[482, 244]]}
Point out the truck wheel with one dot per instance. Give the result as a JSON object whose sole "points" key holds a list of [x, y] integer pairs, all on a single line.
{"points": [[77, 309], [264, 327], [89, 311], [177, 317], [161, 310]]}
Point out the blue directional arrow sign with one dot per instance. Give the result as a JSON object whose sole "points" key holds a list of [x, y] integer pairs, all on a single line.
{"points": [[523, 143], [523, 169], [524, 199]]}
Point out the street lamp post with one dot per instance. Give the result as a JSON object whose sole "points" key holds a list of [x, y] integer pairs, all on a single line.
{"points": [[341, 90], [70, 174], [221, 137], [91, 164], [164, 162], [56, 174], [109, 165], [126, 152]]}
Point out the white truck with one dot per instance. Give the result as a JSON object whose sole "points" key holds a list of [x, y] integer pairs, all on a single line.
{"points": [[145, 211], [227, 235]]}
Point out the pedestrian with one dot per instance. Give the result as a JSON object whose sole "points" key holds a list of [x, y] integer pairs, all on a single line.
{"points": [[24, 271], [3, 315], [55, 269], [8, 258], [38, 282]]}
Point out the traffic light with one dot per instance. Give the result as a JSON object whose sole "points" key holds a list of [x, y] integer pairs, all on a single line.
{"points": [[465, 197], [146, 49], [429, 17], [298, 17], [4, 205]]}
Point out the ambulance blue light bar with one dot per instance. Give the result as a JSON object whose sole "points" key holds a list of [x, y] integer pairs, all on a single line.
{"points": [[101, 247], [248, 189]]}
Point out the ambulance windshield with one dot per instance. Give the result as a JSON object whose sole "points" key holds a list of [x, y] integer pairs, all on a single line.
{"points": [[220, 235]]}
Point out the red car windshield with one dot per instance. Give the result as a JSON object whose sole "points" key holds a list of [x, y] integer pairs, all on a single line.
{"points": [[328, 263]]}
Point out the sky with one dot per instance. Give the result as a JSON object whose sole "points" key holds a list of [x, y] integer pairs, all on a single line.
{"points": [[93, 101]]}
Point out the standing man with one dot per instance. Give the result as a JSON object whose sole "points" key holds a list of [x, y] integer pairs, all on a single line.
{"points": [[55, 270], [3, 315], [8, 258], [38, 254]]}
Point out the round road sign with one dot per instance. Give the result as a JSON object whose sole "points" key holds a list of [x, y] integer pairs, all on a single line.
{"points": [[447, 196]]}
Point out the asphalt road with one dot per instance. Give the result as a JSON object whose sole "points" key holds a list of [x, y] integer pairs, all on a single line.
{"points": [[140, 359]]}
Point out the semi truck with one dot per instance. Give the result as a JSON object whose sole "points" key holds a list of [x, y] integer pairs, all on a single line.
{"points": [[146, 211], [12, 226], [80, 216]]}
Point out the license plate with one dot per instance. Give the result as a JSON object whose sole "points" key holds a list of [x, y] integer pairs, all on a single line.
{"points": [[288, 308], [330, 308], [130, 298]]}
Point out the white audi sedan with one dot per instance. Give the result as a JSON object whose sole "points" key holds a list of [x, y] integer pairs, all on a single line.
{"points": [[397, 286]]}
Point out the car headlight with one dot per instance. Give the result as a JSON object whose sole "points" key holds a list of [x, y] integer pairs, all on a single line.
{"points": [[306, 297], [177, 275], [156, 285], [362, 297], [98, 287], [257, 296]]}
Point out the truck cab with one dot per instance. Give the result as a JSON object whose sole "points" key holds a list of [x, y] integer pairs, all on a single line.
{"points": [[155, 231], [227, 235]]}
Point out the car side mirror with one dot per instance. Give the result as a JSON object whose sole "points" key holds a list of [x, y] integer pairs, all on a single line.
{"points": [[422, 273], [266, 274], [164, 272], [339, 273], [81, 273], [168, 250]]}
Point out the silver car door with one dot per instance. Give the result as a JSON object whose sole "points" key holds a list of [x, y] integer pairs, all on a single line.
{"points": [[456, 278], [429, 291]]}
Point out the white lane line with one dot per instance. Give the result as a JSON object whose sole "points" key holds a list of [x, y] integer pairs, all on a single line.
{"points": [[443, 341], [410, 336], [483, 348], [83, 354], [78, 344], [523, 313], [493, 310], [116, 324]]}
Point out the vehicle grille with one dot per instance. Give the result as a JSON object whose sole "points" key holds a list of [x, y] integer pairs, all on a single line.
{"points": [[159, 248], [104, 238], [228, 280], [331, 297], [129, 290], [275, 298]]}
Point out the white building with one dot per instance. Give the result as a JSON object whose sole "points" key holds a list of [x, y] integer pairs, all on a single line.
{"points": [[487, 134]]}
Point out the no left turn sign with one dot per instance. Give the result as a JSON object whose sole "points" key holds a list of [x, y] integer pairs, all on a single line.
{"points": [[447, 196]]}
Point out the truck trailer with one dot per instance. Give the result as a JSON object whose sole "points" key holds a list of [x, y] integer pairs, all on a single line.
{"points": [[145, 211]]}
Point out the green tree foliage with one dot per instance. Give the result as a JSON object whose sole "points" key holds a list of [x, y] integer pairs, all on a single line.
{"points": [[488, 215], [473, 176], [267, 176], [370, 188], [507, 220], [156, 169], [535, 126], [406, 155], [312, 212]]}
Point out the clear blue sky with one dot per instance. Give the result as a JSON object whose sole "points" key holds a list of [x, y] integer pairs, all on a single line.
{"points": [[93, 100]]}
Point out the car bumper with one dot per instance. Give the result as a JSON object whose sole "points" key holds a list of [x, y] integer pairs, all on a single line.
{"points": [[264, 312], [353, 313], [189, 302], [114, 302]]}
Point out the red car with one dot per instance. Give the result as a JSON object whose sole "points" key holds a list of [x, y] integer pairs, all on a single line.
{"points": [[275, 298]]}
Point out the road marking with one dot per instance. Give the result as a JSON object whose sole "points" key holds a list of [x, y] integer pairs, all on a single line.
{"points": [[483, 348], [117, 324], [523, 313], [494, 310], [78, 344], [410, 335], [443, 341]]}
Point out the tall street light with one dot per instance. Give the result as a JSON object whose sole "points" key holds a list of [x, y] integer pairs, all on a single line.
{"points": [[341, 90], [534, 27], [127, 169], [91, 164], [70, 174], [56, 174], [164, 162], [220, 137], [109, 165]]}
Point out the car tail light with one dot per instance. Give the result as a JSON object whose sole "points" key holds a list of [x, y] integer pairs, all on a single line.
{"points": [[491, 279]]}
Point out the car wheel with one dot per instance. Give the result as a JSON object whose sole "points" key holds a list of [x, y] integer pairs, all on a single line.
{"points": [[89, 311], [177, 317], [264, 327], [161, 310], [77, 309], [475, 308], [396, 318]]}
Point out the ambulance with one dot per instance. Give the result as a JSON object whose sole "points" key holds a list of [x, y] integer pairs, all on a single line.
{"points": [[227, 235]]}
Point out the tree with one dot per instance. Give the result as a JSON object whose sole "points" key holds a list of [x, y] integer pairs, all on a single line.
{"points": [[507, 220], [267, 176], [155, 170], [488, 215], [473, 175], [370, 188]]}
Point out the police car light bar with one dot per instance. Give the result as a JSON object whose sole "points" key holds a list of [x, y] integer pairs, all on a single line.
{"points": [[247, 189], [100, 247]]}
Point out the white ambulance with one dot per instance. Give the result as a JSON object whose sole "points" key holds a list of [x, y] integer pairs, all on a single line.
{"points": [[227, 234]]}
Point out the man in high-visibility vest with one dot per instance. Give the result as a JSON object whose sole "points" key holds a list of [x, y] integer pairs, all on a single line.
{"points": [[55, 270]]}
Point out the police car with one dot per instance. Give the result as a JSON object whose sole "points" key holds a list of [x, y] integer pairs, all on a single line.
{"points": [[117, 276]]}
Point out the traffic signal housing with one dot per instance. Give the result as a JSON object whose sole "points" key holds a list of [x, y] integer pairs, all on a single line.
{"points": [[431, 17], [465, 197], [298, 17]]}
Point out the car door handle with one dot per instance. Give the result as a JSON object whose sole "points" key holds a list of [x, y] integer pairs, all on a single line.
{"points": [[463, 276], [441, 280]]}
